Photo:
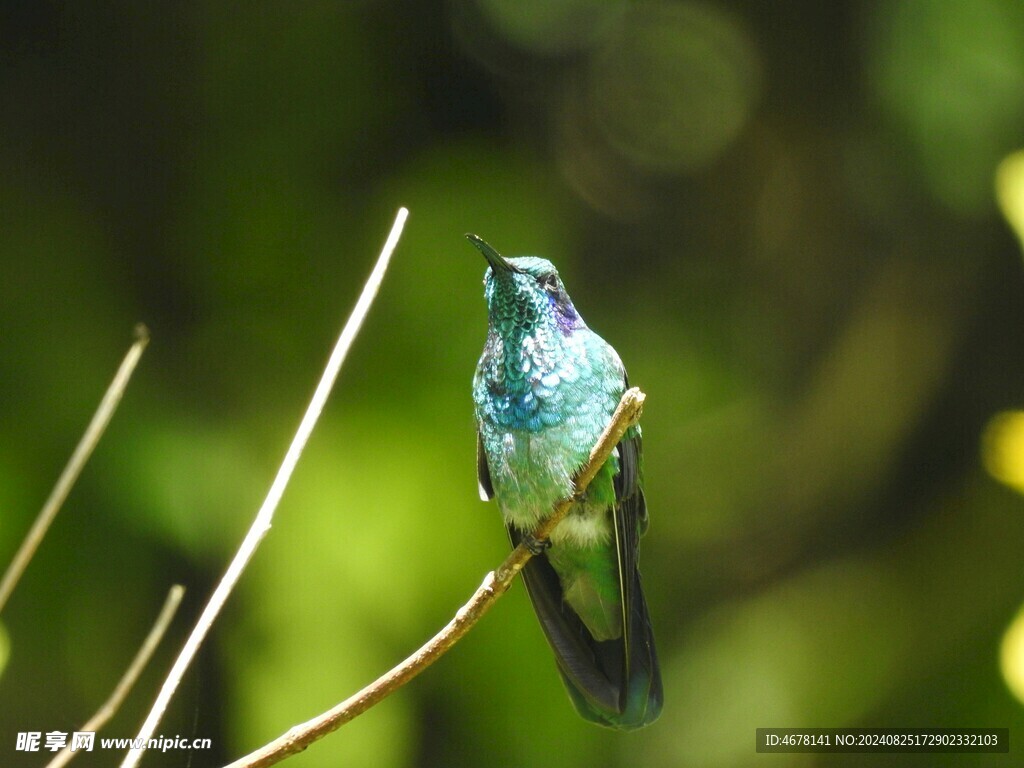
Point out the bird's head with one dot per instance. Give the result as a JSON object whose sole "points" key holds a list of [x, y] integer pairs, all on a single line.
{"points": [[525, 292]]}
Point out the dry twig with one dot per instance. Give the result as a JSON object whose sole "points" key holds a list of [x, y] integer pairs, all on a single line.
{"points": [[261, 524], [124, 685], [79, 457]]}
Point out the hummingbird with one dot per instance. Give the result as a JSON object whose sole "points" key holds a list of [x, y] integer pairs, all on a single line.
{"points": [[544, 389]]}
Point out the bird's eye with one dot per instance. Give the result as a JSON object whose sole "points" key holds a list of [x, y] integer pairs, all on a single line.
{"points": [[549, 282]]}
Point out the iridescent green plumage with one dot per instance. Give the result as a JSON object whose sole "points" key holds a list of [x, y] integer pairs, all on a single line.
{"points": [[544, 389]]}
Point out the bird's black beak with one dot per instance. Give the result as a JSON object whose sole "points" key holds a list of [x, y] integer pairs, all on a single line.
{"points": [[496, 260]]}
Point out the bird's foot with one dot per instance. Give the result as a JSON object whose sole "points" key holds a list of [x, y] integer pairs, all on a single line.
{"points": [[534, 545]]}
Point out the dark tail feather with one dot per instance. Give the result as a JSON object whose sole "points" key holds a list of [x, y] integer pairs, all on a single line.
{"points": [[605, 686]]}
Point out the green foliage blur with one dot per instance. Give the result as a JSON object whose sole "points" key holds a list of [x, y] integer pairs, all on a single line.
{"points": [[781, 214]]}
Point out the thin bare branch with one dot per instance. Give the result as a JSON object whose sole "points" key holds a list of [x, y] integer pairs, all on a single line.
{"points": [[79, 457], [494, 586], [263, 519], [124, 685]]}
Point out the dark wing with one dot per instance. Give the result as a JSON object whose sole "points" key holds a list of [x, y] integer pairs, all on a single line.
{"points": [[643, 696], [483, 472], [630, 516]]}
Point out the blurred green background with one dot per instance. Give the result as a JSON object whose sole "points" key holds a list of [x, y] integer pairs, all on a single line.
{"points": [[784, 217]]}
